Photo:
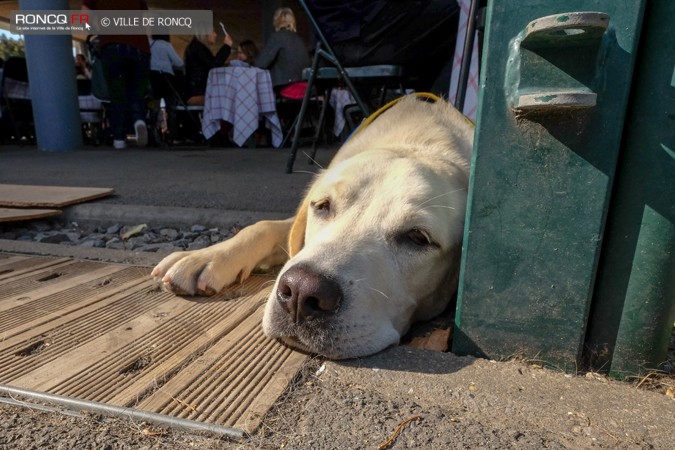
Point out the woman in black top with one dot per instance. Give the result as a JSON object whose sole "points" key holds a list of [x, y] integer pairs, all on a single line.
{"points": [[285, 54], [199, 59]]}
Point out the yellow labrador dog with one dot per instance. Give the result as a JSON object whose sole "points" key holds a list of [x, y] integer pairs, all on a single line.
{"points": [[374, 246]]}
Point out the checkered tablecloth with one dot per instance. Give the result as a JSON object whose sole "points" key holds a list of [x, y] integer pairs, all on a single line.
{"points": [[16, 89], [240, 96]]}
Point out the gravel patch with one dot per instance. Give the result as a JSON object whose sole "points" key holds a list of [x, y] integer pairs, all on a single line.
{"points": [[133, 237]]}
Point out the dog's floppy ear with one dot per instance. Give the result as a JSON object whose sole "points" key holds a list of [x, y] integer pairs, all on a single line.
{"points": [[296, 238]]}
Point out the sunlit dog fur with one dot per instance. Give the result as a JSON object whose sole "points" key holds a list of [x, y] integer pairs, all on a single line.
{"points": [[374, 246]]}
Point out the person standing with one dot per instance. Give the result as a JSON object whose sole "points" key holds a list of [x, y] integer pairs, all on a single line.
{"points": [[126, 62]]}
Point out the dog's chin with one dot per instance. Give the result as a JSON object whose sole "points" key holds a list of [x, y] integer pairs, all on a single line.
{"points": [[320, 341], [297, 345]]}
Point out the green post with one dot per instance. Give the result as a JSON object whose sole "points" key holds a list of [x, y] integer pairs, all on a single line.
{"points": [[634, 303], [554, 89]]}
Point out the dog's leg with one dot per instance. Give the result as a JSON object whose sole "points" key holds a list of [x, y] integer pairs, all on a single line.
{"points": [[207, 271]]}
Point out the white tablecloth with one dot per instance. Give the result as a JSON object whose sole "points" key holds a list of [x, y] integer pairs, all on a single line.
{"points": [[339, 98], [90, 109], [241, 96]]}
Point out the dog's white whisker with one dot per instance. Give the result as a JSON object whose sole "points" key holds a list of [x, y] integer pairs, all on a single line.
{"points": [[306, 171], [283, 249], [313, 160], [379, 292], [440, 195], [439, 206]]}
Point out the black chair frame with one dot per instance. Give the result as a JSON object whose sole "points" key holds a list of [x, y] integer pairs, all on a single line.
{"points": [[325, 52]]}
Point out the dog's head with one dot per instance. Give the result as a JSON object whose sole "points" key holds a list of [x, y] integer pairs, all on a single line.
{"points": [[376, 242]]}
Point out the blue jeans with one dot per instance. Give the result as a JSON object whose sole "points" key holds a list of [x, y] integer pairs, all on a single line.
{"points": [[128, 76]]}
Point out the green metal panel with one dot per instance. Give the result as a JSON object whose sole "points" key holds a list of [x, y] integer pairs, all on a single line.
{"points": [[553, 98], [634, 303]]}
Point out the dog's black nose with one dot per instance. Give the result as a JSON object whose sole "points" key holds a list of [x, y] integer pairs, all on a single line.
{"points": [[305, 294]]}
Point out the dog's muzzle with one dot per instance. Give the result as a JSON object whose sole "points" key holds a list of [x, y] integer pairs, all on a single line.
{"points": [[306, 295]]}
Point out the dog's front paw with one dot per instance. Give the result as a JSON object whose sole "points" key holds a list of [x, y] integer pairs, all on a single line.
{"points": [[199, 272]]}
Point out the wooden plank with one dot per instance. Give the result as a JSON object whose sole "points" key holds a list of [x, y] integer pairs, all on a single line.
{"points": [[176, 396], [63, 368], [26, 268], [179, 358], [15, 215], [122, 340], [50, 341], [233, 383], [8, 261], [62, 284], [31, 196], [276, 383], [42, 325], [127, 374]]}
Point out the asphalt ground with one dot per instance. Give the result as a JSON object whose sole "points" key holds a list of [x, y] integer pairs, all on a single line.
{"points": [[173, 185]]}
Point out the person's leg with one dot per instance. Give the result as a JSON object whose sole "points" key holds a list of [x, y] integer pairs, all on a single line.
{"points": [[155, 120], [116, 75], [170, 102], [138, 86]]}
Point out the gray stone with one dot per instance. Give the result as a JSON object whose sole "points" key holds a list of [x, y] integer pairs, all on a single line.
{"points": [[115, 243], [159, 248], [113, 229], [53, 238], [169, 233], [200, 242], [93, 243]]}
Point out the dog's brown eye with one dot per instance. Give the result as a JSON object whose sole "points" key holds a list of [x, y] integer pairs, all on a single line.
{"points": [[419, 237], [322, 205]]}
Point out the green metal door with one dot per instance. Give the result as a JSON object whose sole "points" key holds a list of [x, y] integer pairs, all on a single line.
{"points": [[554, 89], [633, 305]]}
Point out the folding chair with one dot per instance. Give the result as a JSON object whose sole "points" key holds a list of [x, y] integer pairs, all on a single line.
{"points": [[16, 107], [188, 118], [327, 77], [289, 115]]}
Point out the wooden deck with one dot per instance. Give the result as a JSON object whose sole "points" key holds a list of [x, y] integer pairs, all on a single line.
{"points": [[107, 333]]}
